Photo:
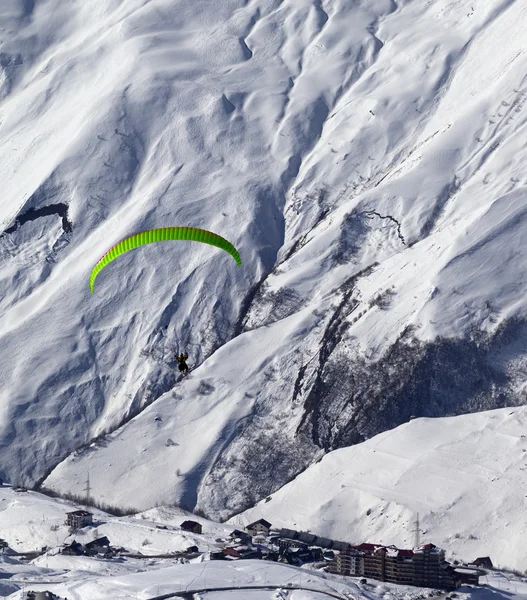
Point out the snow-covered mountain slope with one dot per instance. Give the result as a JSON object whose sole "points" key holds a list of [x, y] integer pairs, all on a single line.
{"points": [[466, 476], [30, 520], [365, 158]]}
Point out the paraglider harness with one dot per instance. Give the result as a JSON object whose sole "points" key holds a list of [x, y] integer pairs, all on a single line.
{"points": [[183, 367]]}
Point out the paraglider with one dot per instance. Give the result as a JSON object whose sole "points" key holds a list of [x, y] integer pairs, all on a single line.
{"points": [[182, 360], [162, 235]]}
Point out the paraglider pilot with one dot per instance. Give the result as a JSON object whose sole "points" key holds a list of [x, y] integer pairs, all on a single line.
{"points": [[182, 360]]}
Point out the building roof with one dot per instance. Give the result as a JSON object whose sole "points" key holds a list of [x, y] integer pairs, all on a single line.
{"points": [[238, 533], [391, 551], [365, 547], [260, 521], [288, 533], [80, 513], [432, 548], [340, 545], [466, 571], [187, 524], [483, 560], [102, 541]]}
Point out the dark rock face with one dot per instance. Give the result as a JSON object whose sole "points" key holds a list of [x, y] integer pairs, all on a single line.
{"points": [[353, 400]]}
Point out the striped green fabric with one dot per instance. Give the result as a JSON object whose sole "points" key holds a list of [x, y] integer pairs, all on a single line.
{"points": [[164, 234]]}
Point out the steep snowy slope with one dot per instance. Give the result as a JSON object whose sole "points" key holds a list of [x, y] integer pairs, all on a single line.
{"points": [[466, 476], [366, 159]]}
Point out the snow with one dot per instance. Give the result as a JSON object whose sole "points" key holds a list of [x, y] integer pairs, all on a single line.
{"points": [[25, 523], [466, 476], [248, 119], [326, 139]]}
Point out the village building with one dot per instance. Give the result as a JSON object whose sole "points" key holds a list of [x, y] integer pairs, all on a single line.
{"points": [[73, 549], [424, 566], [448, 578], [286, 535], [191, 526], [79, 519], [427, 560], [398, 566], [270, 555], [261, 526], [240, 535], [98, 546], [468, 576], [284, 543], [483, 561], [348, 562]]}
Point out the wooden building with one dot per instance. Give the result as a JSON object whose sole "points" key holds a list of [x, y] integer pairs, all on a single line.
{"points": [[261, 526], [191, 526], [484, 561]]}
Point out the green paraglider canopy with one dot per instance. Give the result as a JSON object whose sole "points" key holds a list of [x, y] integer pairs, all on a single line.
{"points": [[163, 235]]}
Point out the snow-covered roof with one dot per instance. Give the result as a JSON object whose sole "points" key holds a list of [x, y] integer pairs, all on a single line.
{"points": [[259, 522], [466, 571]]}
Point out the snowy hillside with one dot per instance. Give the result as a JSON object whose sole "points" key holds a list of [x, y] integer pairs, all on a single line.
{"points": [[466, 476], [366, 159], [28, 520]]}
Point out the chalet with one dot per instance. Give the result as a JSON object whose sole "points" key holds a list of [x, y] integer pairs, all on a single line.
{"points": [[79, 519], [243, 536], [260, 526], [191, 526], [73, 549], [99, 546], [484, 561]]}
